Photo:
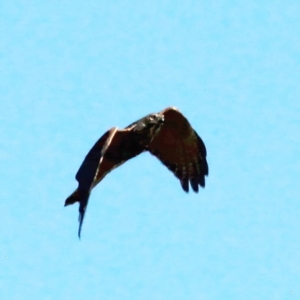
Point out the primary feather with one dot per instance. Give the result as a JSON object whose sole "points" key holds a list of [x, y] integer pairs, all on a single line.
{"points": [[167, 135]]}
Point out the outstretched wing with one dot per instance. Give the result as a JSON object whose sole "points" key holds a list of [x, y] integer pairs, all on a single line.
{"points": [[181, 150], [113, 149]]}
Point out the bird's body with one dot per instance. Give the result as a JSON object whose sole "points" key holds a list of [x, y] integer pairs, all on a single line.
{"points": [[167, 135]]}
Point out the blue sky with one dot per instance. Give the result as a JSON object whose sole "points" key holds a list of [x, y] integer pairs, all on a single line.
{"points": [[70, 70]]}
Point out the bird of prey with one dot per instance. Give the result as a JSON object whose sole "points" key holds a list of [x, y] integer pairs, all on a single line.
{"points": [[167, 135]]}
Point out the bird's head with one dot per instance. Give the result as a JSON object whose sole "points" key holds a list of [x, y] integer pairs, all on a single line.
{"points": [[150, 124]]}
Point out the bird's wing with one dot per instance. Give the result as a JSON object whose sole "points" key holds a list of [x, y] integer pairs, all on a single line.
{"points": [[181, 150], [88, 169], [113, 149]]}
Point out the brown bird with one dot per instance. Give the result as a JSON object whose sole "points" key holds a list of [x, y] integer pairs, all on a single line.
{"points": [[167, 135]]}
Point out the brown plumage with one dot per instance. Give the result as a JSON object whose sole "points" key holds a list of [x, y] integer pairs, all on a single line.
{"points": [[167, 135]]}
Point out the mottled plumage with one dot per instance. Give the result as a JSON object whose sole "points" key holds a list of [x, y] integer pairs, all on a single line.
{"points": [[167, 135]]}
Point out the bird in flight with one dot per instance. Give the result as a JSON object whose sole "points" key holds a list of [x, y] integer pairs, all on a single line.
{"points": [[167, 135]]}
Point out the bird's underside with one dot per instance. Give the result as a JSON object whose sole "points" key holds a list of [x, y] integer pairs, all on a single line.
{"points": [[167, 135]]}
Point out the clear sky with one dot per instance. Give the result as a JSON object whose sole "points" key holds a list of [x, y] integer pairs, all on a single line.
{"points": [[70, 70]]}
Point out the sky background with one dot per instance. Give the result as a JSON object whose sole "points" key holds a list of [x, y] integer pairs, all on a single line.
{"points": [[70, 70]]}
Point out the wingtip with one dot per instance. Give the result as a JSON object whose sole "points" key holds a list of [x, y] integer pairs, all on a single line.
{"points": [[202, 181], [194, 185], [185, 185], [82, 210], [80, 219]]}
